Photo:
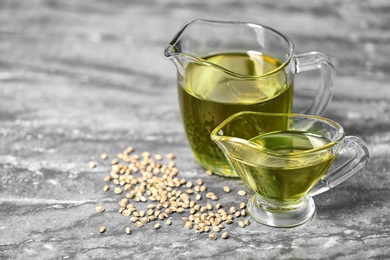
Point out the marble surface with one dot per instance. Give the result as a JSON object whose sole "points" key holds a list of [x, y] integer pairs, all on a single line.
{"points": [[79, 78]]}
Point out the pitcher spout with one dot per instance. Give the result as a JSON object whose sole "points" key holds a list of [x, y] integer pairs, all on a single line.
{"points": [[178, 50]]}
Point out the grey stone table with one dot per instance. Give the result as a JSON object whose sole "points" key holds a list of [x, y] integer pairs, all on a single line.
{"points": [[82, 78]]}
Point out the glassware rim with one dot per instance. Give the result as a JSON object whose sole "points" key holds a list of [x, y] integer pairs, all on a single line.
{"points": [[171, 53], [339, 136]]}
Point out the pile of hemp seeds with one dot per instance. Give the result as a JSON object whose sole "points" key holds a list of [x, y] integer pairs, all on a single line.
{"points": [[151, 192]]}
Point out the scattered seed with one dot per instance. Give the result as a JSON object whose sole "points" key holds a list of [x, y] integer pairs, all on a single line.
{"points": [[92, 165], [225, 235], [214, 198], [106, 187], [158, 157], [102, 229], [241, 223], [241, 192], [216, 228], [229, 221], [145, 220], [209, 195], [247, 222], [170, 156], [212, 236], [188, 224], [134, 219], [126, 212], [128, 230], [100, 209], [118, 190], [139, 224], [114, 161], [147, 178], [145, 154], [209, 172]]}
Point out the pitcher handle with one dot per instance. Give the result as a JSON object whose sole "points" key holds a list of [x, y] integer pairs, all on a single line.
{"points": [[356, 162], [316, 60]]}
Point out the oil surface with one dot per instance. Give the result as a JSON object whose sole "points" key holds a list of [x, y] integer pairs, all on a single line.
{"points": [[288, 176], [208, 96]]}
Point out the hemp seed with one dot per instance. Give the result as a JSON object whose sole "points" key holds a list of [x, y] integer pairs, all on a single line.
{"points": [[170, 156], [92, 165], [100, 209], [102, 229], [118, 190], [216, 228], [106, 187], [225, 235], [241, 223], [226, 189], [212, 236], [139, 224], [158, 157], [114, 161], [232, 209], [241, 193], [128, 230], [188, 224], [134, 219], [126, 212]]}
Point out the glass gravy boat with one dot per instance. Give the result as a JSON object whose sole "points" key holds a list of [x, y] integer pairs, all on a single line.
{"points": [[284, 159]]}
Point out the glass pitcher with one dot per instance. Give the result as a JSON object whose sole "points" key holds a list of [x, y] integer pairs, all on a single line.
{"points": [[228, 67]]}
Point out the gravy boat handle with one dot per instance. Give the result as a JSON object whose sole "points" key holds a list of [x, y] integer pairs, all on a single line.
{"points": [[352, 165]]}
